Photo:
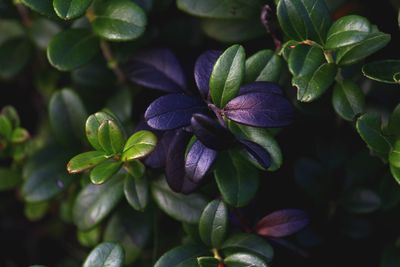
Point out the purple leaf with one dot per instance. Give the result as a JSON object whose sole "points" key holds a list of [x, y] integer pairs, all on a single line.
{"points": [[258, 152], [260, 110], [172, 111], [199, 161], [157, 158], [175, 172], [157, 69], [211, 133], [202, 70], [261, 87], [282, 223]]}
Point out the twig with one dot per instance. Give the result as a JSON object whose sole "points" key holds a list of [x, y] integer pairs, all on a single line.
{"points": [[266, 16], [112, 63], [23, 13]]}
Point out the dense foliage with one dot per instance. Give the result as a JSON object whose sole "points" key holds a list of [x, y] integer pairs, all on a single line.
{"points": [[199, 133]]}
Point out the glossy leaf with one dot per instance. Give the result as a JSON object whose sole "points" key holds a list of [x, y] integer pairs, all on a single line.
{"points": [[93, 123], [85, 161], [136, 192], [70, 9], [258, 153], [199, 161], [14, 55], [282, 223], [227, 75], [110, 137], [236, 178], [157, 158], [135, 168], [207, 262], [394, 156], [104, 170], [43, 7], [382, 71], [19, 135], [71, 49], [203, 69], [361, 201], [157, 69], [250, 243], [261, 87], [244, 260], [180, 207], [139, 145], [183, 256], [369, 128], [105, 254], [89, 238], [213, 224], [95, 202], [304, 59], [264, 66], [348, 100], [118, 20], [5, 127], [172, 111], [12, 115], [304, 19]]}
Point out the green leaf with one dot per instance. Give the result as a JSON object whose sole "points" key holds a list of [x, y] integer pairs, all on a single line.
{"points": [[184, 208], [72, 48], [305, 59], [118, 20], [9, 179], [361, 201], [89, 238], [92, 128], [14, 55], [394, 156], [136, 191], [354, 53], [304, 19], [207, 262], [110, 137], [227, 75], [135, 168], [132, 230], [105, 254], [213, 224], [104, 170], [67, 116], [232, 30], [139, 145], [250, 243], [221, 9], [43, 7], [71, 9], [183, 256], [85, 161], [36, 211], [42, 31], [12, 115], [262, 137], [395, 173], [244, 259], [383, 71], [95, 202], [370, 129], [348, 30], [236, 178], [264, 66], [393, 127], [348, 100], [5, 127], [19, 135]]}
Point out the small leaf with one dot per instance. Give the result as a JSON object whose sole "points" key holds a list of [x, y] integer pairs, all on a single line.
{"points": [[14, 55], [105, 254], [72, 49], [36, 211], [382, 71], [111, 137], [203, 69], [12, 115], [70, 9], [136, 192], [181, 256], [118, 20], [361, 201], [5, 127], [139, 145], [92, 128], [85, 161], [264, 66], [135, 168], [19, 135], [244, 260], [394, 156], [95, 202], [180, 207], [199, 161], [104, 170], [89, 238], [213, 224], [236, 178], [348, 100], [207, 262], [282, 223], [258, 153], [43, 7], [227, 75]]}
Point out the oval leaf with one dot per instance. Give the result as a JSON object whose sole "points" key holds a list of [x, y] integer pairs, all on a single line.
{"points": [[111, 137], [85, 161], [43, 7], [213, 224], [70, 9], [244, 260], [203, 69], [181, 256], [139, 145], [199, 161], [104, 170], [382, 71], [92, 128], [264, 66], [348, 100], [105, 254], [136, 192]]}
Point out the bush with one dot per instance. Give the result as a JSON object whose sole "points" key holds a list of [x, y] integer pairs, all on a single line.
{"points": [[199, 133]]}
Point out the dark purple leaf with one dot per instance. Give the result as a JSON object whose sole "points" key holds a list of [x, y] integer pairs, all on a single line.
{"points": [[211, 133], [258, 152], [157, 69], [199, 161], [261, 87], [202, 70], [282, 223], [260, 110], [157, 158], [172, 111], [175, 172]]}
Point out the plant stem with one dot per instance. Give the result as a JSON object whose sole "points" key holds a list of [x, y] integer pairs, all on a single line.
{"points": [[328, 56], [216, 254], [265, 18], [112, 63], [23, 13]]}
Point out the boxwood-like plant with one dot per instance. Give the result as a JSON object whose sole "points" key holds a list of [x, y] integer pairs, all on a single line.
{"points": [[199, 133]]}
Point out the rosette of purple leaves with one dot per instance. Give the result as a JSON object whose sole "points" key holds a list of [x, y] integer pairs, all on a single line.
{"points": [[196, 123]]}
